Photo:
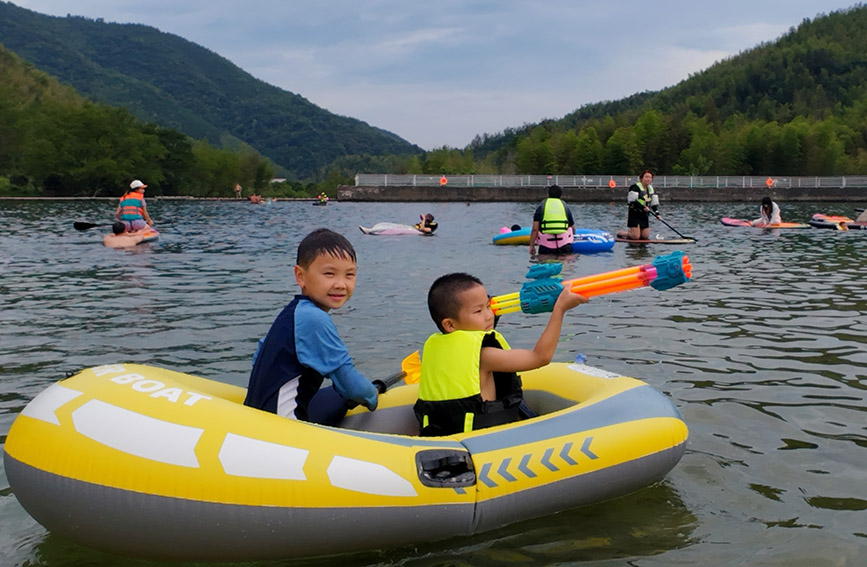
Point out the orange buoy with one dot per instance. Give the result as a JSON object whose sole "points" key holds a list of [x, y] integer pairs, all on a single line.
{"points": [[769, 182], [443, 180], [611, 183]]}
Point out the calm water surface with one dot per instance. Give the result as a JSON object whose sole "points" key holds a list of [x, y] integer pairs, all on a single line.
{"points": [[764, 352]]}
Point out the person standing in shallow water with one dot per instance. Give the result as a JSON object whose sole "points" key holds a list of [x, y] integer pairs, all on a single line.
{"points": [[642, 200], [553, 225]]}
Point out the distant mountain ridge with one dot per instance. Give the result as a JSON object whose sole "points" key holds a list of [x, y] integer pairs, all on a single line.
{"points": [[163, 78], [801, 93]]}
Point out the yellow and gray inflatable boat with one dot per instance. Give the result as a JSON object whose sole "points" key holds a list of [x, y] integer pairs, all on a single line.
{"points": [[147, 462]]}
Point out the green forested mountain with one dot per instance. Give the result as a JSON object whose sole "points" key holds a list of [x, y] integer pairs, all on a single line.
{"points": [[165, 79], [54, 142], [795, 106]]}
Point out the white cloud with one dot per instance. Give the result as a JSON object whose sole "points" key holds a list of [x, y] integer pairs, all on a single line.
{"points": [[438, 74]]}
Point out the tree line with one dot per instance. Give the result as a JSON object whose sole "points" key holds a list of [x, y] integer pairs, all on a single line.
{"points": [[53, 142]]}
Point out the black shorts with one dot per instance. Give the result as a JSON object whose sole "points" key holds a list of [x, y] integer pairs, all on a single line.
{"points": [[637, 218], [565, 249]]}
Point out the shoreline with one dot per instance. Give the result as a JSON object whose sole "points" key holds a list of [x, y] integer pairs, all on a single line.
{"points": [[595, 194]]}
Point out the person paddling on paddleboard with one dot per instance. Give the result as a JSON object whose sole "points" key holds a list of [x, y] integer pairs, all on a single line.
{"points": [[642, 199], [770, 212], [132, 210], [553, 226]]}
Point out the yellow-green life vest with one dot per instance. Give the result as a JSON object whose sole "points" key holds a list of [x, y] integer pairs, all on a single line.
{"points": [[450, 365], [449, 386], [644, 195], [554, 219]]}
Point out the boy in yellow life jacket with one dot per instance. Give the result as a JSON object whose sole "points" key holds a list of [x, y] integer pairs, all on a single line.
{"points": [[469, 374]]}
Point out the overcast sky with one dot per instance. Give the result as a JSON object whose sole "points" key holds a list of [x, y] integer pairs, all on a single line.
{"points": [[440, 72]]}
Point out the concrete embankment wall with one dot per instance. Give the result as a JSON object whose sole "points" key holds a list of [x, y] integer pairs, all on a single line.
{"points": [[598, 194]]}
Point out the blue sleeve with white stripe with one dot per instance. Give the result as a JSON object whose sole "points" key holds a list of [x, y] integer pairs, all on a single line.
{"points": [[319, 346]]}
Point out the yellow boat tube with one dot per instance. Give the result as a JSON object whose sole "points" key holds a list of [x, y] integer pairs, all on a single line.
{"points": [[147, 462]]}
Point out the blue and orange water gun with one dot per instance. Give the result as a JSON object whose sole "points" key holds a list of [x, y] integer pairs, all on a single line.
{"points": [[540, 294]]}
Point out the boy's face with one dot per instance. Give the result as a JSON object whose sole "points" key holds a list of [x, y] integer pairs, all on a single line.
{"points": [[475, 313], [328, 281]]}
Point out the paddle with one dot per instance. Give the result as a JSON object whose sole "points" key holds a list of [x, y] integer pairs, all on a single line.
{"points": [[87, 225], [659, 218], [410, 372]]}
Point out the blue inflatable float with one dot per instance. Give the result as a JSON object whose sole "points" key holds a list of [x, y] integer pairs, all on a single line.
{"points": [[587, 240]]}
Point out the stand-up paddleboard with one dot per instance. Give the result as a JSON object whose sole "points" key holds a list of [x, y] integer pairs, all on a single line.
{"points": [[392, 229], [742, 222], [659, 239], [125, 240]]}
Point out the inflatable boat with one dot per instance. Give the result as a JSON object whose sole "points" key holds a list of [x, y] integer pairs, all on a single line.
{"points": [[147, 462], [586, 240]]}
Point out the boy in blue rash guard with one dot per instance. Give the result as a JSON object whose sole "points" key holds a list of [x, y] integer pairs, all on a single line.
{"points": [[302, 347]]}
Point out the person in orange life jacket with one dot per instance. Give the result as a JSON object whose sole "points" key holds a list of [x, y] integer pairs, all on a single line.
{"points": [[302, 347], [641, 200], [120, 238], [427, 224], [553, 225], [132, 210], [469, 374]]}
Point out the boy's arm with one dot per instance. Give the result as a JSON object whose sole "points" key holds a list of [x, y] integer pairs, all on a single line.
{"points": [[318, 346], [518, 360]]}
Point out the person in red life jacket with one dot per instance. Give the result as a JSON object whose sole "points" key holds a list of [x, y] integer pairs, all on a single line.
{"points": [[132, 210], [469, 377], [553, 225], [641, 200]]}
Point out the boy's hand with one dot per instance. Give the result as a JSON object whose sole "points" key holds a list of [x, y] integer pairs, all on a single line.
{"points": [[567, 299]]}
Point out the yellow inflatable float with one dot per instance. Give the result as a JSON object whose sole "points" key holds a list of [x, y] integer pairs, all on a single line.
{"points": [[147, 462]]}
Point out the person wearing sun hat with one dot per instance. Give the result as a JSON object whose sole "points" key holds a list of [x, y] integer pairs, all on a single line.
{"points": [[132, 210]]}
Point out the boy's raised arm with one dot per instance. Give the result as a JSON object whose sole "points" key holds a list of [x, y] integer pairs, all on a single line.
{"points": [[518, 360]]}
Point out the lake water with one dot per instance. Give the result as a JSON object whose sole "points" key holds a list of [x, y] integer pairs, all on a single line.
{"points": [[764, 352]]}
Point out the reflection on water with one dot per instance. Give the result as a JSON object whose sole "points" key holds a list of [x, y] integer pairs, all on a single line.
{"points": [[763, 352]]}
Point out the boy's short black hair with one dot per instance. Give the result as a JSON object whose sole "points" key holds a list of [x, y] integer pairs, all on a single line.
{"points": [[323, 241], [555, 191], [118, 228], [442, 299]]}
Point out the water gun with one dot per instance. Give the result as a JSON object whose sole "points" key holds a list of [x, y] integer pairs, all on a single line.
{"points": [[540, 294]]}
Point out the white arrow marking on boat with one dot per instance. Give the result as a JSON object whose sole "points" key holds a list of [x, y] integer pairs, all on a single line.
{"points": [[137, 434], [244, 456], [369, 478], [43, 406]]}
